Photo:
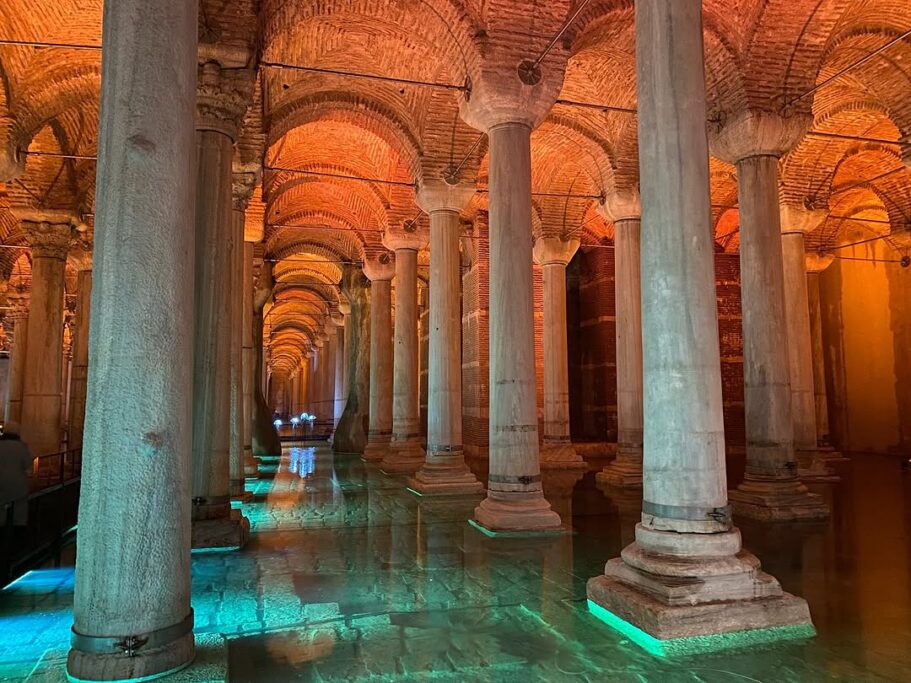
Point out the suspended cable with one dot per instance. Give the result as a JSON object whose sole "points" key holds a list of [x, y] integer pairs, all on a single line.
{"points": [[451, 175], [853, 138], [594, 105], [569, 22], [35, 43], [850, 67], [343, 176], [357, 74], [60, 155], [860, 183]]}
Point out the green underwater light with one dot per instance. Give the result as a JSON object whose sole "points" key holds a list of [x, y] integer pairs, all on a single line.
{"points": [[695, 645]]}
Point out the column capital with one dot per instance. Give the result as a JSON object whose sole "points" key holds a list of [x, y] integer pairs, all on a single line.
{"points": [[48, 239], [757, 133], [222, 98], [554, 251], [410, 237], [800, 219], [344, 307], [336, 319], [81, 257], [621, 204], [380, 267], [438, 195], [242, 185], [318, 342], [818, 261]]}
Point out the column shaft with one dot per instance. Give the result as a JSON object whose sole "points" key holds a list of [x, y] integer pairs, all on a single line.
{"points": [[80, 367], [339, 379], [515, 497], [405, 453], [134, 508], [817, 353], [797, 313], [380, 429], [17, 370], [235, 354], [247, 357]]}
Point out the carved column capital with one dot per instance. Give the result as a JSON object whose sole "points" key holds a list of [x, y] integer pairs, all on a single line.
{"points": [[553, 250], [381, 267], [242, 185], [758, 133], [222, 98], [799, 219], [818, 261], [48, 240], [621, 204]]}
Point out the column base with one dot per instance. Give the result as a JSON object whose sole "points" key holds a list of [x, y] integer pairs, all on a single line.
{"points": [[375, 450], [251, 467], [777, 500], [516, 511], [811, 466], [232, 531], [445, 475], [829, 454], [560, 456], [145, 666], [239, 491], [694, 585], [625, 472], [403, 457]]}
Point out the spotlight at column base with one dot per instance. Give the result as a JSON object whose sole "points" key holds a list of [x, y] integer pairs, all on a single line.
{"points": [[518, 534], [561, 456], [516, 511], [142, 666], [232, 531], [776, 501], [697, 644], [403, 457]]}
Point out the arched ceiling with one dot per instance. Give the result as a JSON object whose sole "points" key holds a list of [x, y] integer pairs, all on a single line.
{"points": [[339, 157]]}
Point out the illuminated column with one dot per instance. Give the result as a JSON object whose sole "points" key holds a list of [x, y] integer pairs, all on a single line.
{"points": [[623, 209], [444, 470], [306, 389], [265, 439], [132, 598], [294, 407], [815, 264], [345, 309], [49, 236], [686, 574], [251, 469], [507, 109], [338, 334], [80, 367], [770, 490], [797, 221], [329, 348], [220, 108], [405, 453], [13, 414], [553, 255], [380, 272], [317, 394]]}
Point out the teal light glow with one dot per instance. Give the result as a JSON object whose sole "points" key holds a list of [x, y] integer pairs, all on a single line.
{"points": [[415, 492], [41, 581], [206, 551], [140, 679], [694, 645], [517, 534]]}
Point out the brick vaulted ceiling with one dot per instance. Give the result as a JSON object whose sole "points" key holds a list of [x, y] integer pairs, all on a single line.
{"points": [[760, 55]]}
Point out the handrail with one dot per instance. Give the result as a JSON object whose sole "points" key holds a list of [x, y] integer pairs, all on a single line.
{"points": [[55, 469]]}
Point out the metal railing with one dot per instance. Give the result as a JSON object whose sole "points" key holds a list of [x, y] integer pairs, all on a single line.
{"points": [[53, 505]]}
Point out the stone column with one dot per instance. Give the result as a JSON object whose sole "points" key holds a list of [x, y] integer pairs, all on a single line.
{"points": [[344, 308], [770, 490], [49, 236], [405, 453], [515, 499], [622, 207], [132, 615], [338, 380], [13, 415], [553, 255], [444, 470], [80, 367], [265, 438], [330, 350], [351, 432], [815, 264], [380, 272], [797, 221], [220, 108], [686, 574], [318, 387], [251, 468]]}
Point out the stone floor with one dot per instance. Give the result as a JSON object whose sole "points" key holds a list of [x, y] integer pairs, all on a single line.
{"points": [[350, 577]]}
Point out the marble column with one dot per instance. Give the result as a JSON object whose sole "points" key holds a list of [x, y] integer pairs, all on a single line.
{"points": [[771, 490], [553, 255], [80, 364], [405, 453], [815, 265], [251, 468], [338, 380], [49, 236], [380, 272], [330, 350], [797, 221], [622, 207], [351, 432], [132, 615], [344, 308], [515, 498], [242, 189], [265, 439], [220, 107], [13, 414], [294, 408], [444, 470], [686, 574]]}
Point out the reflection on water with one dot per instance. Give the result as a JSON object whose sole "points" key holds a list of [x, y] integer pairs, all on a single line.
{"points": [[349, 576]]}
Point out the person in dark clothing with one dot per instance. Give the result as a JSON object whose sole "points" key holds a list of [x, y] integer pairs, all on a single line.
{"points": [[16, 463]]}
